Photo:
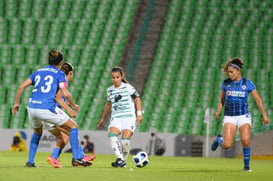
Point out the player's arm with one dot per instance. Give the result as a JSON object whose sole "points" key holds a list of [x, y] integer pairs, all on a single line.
{"points": [[106, 110], [64, 105], [220, 104], [19, 93], [139, 110], [259, 102], [67, 95]]}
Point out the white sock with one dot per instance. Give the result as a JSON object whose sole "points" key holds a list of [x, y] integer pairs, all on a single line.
{"points": [[116, 146], [125, 147]]}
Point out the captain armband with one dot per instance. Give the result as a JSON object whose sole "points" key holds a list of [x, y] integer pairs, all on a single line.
{"points": [[135, 95], [63, 84]]}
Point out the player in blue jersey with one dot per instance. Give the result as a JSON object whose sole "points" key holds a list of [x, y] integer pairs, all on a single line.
{"points": [[42, 106], [233, 98], [61, 134], [122, 98]]}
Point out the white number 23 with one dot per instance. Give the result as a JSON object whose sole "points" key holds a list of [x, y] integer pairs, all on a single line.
{"points": [[48, 80]]}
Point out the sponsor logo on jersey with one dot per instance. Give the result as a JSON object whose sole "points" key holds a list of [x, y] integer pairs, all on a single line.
{"points": [[235, 93]]}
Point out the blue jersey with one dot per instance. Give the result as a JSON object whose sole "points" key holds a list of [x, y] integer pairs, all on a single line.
{"points": [[236, 95], [46, 83]]}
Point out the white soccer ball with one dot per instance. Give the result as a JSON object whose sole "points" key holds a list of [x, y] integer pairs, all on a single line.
{"points": [[140, 159]]}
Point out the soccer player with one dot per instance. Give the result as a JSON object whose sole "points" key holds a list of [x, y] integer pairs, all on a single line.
{"points": [[42, 106], [233, 97], [121, 100], [61, 134]]}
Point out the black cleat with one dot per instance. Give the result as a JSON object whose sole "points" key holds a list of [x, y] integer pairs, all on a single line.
{"points": [[247, 169], [80, 162], [28, 164], [119, 163]]}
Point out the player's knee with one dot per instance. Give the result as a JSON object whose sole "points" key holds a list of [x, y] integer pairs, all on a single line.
{"points": [[246, 143], [227, 145], [245, 139]]}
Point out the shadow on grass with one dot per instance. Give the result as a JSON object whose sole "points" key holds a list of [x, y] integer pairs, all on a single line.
{"points": [[203, 171]]}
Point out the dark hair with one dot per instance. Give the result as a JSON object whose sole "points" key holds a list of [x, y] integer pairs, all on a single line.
{"points": [[55, 57], [235, 62], [66, 68], [121, 71]]}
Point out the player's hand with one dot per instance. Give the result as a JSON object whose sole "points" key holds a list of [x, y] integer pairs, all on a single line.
{"points": [[265, 119], [139, 119], [101, 124], [217, 115], [76, 108], [15, 108], [72, 113]]}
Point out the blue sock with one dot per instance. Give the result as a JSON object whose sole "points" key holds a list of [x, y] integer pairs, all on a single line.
{"points": [[74, 142], [60, 151], [80, 152], [246, 152], [55, 153], [220, 140], [34, 143]]}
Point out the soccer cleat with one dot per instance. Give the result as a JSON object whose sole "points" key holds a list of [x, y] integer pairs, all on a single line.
{"points": [[55, 163], [119, 163], [28, 164], [247, 169], [215, 143], [89, 158], [80, 162]]}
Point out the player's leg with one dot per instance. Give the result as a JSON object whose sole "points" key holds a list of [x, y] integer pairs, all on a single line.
{"points": [[229, 131], [245, 133], [62, 140], [114, 129], [126, 143], [37, 126], [62, 136], [72, 127], [34, 143], [116, 146], [61, 119], [128, 128]]}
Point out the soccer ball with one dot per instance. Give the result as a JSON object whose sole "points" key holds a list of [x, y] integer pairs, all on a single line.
{"points": [[140, 159]]}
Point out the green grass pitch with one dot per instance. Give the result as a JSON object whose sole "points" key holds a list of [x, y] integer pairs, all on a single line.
{"points": [[159, 168]]}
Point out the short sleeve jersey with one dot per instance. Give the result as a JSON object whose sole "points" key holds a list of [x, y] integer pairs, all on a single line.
{"points": [[122, 100], [46, 82], [236, 96]]}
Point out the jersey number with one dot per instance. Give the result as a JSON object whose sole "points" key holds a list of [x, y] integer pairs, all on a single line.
{"points": [[48, 80]]}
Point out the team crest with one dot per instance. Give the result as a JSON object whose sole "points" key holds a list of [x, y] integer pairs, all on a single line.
{"points": [[229, 93], [244, 87]]}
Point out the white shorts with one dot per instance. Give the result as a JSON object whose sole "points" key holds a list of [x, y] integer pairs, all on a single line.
{"points": [[38, 116], [123, 123], [238, 120], [50, 126]]}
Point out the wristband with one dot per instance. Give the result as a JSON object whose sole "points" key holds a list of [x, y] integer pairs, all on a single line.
{"points": [[139, 113]]}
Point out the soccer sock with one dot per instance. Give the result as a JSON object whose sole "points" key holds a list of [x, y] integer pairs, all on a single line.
{"points": [[125, 147], [74, 142], [246, 152], [55, 153], [220, 141], [34, 143], [116, 146], [80, 152], [60, 151]]}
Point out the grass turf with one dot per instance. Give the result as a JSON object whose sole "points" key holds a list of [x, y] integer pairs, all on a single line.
{"points": [[159, 168]]}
